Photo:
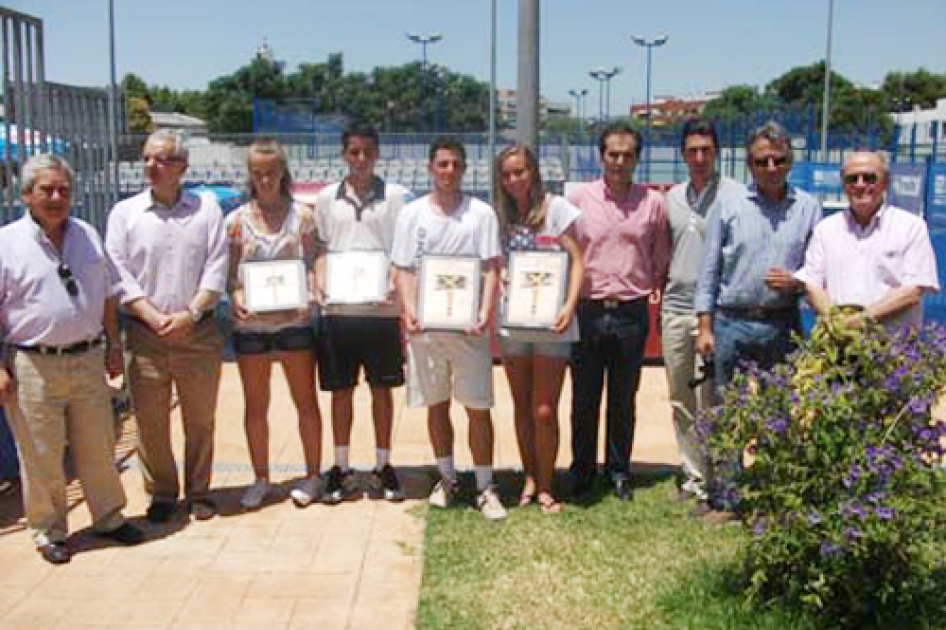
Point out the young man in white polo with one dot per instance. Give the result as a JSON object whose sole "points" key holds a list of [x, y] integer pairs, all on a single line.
{"points": [[359, 214], [447, 364]]}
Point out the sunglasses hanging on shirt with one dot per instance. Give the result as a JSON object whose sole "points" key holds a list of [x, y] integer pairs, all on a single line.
{"points": [[68, 280]]}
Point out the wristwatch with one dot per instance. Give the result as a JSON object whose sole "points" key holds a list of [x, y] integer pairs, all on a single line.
{"points": [[196, 315]]}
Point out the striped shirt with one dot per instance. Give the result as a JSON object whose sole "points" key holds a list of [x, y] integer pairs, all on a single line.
{"points": [[750, 235]]}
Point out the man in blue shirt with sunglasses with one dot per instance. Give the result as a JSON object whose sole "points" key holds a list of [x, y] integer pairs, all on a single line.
{"points": [[746, 297]]}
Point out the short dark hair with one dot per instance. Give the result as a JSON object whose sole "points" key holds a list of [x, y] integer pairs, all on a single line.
{"points": [[698, 126], [361, 129], [449, 143], [620, 128]]}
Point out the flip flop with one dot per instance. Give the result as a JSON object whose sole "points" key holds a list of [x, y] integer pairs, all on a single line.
{"points": [[549, 505], [526, 499]]}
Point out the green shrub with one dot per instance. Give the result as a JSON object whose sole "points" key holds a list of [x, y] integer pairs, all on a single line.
{"points": [[841, 479]]}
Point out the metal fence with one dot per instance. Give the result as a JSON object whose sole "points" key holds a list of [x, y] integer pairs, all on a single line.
{"points": [[44, 117]]}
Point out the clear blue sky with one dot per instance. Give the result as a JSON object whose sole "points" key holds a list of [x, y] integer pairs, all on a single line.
{"points": [[713, 43]]}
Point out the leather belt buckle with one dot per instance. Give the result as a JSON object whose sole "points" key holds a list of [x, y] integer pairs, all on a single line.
{"points": [[610, 303]]}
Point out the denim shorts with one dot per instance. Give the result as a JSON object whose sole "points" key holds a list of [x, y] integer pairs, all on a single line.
{"points": [[553, 349], [286, 340]]}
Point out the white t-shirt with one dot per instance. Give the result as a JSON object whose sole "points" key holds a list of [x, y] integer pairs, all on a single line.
{"points": [[422, 228], [559, 215]]}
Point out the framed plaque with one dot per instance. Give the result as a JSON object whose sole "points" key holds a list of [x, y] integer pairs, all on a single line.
{"points": [[274, 285], [448, 292], [535, 290], [356, 277]]}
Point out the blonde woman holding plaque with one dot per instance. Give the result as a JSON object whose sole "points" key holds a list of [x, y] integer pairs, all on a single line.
{"points": [[534, 220]]}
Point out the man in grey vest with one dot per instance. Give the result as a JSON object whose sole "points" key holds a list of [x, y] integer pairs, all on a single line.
{"points": [[689, 205]]}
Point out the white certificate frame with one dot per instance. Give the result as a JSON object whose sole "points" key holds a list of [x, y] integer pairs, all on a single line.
{"points": [[356, 277], [535, 289], [274, 285], [448, 292]]}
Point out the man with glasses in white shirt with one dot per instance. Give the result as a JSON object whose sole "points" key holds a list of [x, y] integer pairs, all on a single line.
{"points": [[170, 248], [872, 255]]}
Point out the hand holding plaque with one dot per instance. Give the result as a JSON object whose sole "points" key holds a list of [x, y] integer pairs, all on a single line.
{"points": [[536, 288], [448, 292]]}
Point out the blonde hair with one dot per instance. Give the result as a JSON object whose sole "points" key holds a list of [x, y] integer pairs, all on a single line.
{"points": [[269, 147]]}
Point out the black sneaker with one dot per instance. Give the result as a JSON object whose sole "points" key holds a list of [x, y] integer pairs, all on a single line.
{"points": [[161, 511], [387, 484], [338, 485]]}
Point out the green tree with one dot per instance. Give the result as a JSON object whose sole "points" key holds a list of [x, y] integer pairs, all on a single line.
{"points": [[906, 90], [738, 101]]}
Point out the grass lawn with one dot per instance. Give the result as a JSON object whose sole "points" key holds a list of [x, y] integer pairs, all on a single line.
{"points": [[642, 565]]}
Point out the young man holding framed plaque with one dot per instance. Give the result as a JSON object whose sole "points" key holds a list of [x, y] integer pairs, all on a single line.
{"points": [[449, 352], [355, 219]]}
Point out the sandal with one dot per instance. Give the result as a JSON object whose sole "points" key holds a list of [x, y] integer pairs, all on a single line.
{"points": [[548, 504], [528, 493]]}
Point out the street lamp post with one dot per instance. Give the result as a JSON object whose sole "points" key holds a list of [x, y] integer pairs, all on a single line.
{"points": [[604, 76], [424, 41], [649, 45], [826, 105], [579, 96]]}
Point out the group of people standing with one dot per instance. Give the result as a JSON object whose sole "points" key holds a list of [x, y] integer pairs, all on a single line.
{"points": [[729, 262]]}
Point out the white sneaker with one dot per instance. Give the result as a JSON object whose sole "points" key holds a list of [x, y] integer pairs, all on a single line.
{"points": [[307, 491], [255, 494], [490, 506], [443, 493]]}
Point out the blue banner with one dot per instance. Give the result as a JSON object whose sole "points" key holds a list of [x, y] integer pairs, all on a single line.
{"points": [[907, 187], [936, 197]]}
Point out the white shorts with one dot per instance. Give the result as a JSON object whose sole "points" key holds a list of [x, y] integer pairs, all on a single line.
{"points": [[443, 363]]}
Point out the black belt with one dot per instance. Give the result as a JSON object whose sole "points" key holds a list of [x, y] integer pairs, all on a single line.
{"points": [[75, 348], [609, 304], [759, 313]]}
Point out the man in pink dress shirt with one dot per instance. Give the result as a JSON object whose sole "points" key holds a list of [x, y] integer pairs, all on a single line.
{"points": [[873, 255], [625, 239], [170, 249]]}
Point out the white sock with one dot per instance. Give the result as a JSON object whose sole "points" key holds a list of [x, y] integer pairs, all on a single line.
{"points": [[341, 457], [384, 457], [445, 466], [484, 477]]}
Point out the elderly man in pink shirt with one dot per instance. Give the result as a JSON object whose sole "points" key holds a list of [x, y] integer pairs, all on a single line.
{"points": [[873, 255], [626, 243]]}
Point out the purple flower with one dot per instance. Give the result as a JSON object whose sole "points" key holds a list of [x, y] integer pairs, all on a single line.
{"points": [[830, 550], [758, 528], [885, 513], [852, 533], [853, 509], [814, 518], [852, 477], [778, 426]]}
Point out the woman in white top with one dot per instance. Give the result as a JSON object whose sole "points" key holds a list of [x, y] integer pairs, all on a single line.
{"points": [[535, 361], [272, 227]]}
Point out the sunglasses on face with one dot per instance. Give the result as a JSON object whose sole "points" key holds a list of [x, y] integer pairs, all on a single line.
{"points": [[781, 160], [68, 280], [853, 178]]}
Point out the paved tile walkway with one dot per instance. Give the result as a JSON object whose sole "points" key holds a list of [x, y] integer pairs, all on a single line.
{"points": [[354, 566]]}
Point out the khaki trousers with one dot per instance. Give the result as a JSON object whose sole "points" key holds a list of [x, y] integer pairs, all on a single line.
{"points": [[59, 400], [193, 367], [678, 337]]}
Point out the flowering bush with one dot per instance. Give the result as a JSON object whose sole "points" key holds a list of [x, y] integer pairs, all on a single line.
{"points": [[840, 479]]}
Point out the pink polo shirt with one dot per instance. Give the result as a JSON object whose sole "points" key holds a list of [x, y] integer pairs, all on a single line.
{"points": [[626, 243], [859, 265]]}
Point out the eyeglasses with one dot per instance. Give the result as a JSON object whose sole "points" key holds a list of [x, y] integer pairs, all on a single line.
{"points": [[853, 178], [762, 162], [68, 280]]}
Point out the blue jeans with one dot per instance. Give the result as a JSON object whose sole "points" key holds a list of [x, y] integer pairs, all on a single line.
{"points": [[611, 343], [739, 340]]}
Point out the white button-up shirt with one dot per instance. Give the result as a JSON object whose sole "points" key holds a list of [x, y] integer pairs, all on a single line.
{"points": [[168, 254], [859, 265], [35, 306]]}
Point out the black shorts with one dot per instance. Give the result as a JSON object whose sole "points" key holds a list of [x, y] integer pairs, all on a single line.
{"points": [[346, 344], [286, 340]]}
